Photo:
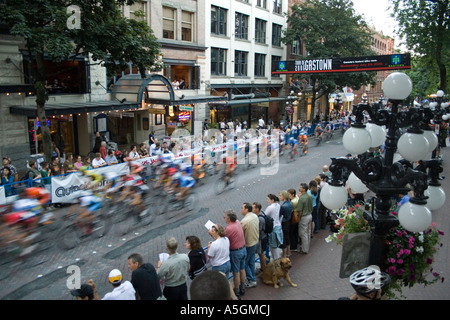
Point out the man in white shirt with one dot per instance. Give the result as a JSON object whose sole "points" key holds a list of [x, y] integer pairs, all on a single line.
{"points": [[261, 122], [123, 290], [98, 161]]}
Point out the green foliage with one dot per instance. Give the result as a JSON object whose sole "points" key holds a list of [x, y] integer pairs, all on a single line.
{"points": [[331, 28], [111, 40], [424, 25]]}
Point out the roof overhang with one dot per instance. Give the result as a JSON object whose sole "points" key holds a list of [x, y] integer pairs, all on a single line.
{"points": [[67, 108]]}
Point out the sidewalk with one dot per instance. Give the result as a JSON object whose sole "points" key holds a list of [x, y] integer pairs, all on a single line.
{"points": [[317, 273]]}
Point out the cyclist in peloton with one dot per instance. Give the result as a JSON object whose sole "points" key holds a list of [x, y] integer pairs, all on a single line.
{"points": [[304, 143], [319, 132], [293, 143]]}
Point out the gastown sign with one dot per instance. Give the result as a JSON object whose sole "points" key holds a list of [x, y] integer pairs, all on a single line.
{"points": [[350, 64]]}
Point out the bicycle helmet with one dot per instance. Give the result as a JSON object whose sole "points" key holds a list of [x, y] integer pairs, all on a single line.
{"points": [[368, 280]]}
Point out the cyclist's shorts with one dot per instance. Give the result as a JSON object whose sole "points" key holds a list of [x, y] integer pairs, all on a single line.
{"points": [[187, 183], [94, 207]]}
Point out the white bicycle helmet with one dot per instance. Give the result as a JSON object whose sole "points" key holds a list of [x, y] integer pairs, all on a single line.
{"points": [[368, 280]]}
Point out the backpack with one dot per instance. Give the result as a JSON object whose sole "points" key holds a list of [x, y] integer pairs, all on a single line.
{"points": [[268, 223]]}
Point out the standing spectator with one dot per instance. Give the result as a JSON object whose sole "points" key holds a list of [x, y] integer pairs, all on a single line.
{"points": [[111, 158], [153, 147], [250, 225], [219, 250], [238, 253], [293, 230], [197, 256], [326, 172], [97, 143], [285, 216], [261, 122], [173, 271], [151, 138], [304, 208], [12, 168], [144, 278], [102, 150], [313, 190], [276, 237], [262, 243], [46, 175], [68, 165], [55, 167], [56, 152], [123, 290], [6, 181]]}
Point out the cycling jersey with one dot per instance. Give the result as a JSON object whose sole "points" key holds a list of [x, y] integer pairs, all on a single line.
{"points": [[90, 201], [186, 181]]}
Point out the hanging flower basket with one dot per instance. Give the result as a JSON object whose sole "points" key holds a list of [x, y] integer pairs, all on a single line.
{"points": [[348, 221], [409, 258]]}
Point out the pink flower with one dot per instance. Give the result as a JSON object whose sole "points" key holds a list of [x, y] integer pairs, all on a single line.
{"points": [[392, 271], [400, 261]]}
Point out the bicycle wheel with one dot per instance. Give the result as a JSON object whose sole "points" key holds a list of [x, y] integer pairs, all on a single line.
{"points": [[101, 225], [190, 203], [69, 237], [144, 217], [220, 185]]}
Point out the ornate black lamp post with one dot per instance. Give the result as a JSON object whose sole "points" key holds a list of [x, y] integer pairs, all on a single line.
{"points": [[384, 175]]}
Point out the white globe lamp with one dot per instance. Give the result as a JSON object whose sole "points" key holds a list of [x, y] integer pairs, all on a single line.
{"points": [[357, 140], [436, 197], [356, 185], [333, 197], [377, 134], [414, 217], [432, 139], [397, 86], [413, 146]]}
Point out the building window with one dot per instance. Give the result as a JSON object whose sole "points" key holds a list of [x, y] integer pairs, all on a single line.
{"points": [[296, 48], [218, 21], [275, 61], [241, 26], [260, 31], [261, 3], [169, 23], [260, 65], [188, 75], [276, 35], [218, 61], [240, 63], [277, 4], [186, 25], [138, 11]]}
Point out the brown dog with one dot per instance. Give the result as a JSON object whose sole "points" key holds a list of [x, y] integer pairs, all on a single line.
{"points": [[276, 270]]}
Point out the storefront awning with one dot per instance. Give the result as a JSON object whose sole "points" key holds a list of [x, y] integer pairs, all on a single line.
{"points": [[250, 101], [66, 108], [156, 89], [188, 100]]}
